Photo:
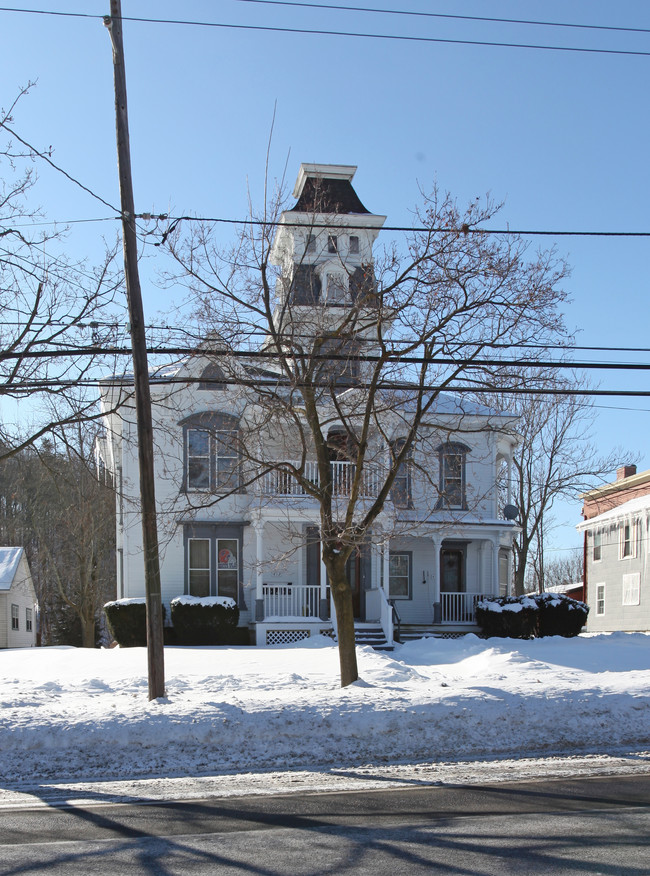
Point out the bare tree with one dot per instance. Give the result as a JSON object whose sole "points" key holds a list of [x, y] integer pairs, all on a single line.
{"points": [[555, 457], [55, 312], [52, 503], [563, 571], [352, 366]]}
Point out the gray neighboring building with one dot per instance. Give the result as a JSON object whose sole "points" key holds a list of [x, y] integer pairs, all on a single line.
{"points": [[616, 530]]}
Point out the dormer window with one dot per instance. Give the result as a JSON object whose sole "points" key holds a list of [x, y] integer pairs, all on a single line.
{"points": [[354, 244], [212, 378], [332, 243]]}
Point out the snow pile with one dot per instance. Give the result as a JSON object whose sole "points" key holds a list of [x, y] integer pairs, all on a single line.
{"points": [[226, 601], [69, 714]]}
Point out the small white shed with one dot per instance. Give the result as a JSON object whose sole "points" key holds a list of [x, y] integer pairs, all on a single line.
{"points": [[17, 600]]}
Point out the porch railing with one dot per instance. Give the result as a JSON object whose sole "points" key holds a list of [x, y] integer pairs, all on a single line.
{"points": [[459, 608], [291, 600], [279, 482]]}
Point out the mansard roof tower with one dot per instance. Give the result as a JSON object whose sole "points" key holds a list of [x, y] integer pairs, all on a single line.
{"points": [[323, 247]]}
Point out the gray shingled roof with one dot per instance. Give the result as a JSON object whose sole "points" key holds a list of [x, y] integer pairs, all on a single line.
{"points": [[328, 196], [9, 560]]}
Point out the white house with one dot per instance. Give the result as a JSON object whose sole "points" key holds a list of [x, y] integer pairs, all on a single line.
{"points": [[232, 526], [17, 600], [617, 558]]}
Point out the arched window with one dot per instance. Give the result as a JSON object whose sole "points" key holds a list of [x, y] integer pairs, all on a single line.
{"points": [[211, 453], [452, 475]]}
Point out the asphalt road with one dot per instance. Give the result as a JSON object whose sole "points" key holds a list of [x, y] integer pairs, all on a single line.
{"points": [[573, 826]]}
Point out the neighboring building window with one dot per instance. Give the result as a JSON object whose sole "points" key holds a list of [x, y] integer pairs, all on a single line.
{"points": [[632, 589], [452, 475], [211, 453], [311, 243], [627, 544], [354, 244], [332, 243], [212, 378], [15, 622], [337, 289], [28, 620], [600, 599], [399, 575], [401, 489], [597, 547], [213, 559]]}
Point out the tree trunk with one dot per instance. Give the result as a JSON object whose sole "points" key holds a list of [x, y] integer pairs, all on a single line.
{"points": [[342, 596], [87, 631]]}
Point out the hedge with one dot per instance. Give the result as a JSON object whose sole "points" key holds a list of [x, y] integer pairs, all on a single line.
{"points": [[211, 620], [534, 614], [127, 621]]}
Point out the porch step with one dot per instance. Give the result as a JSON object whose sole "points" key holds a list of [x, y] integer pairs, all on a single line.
{"points": [[371, 635], [412, 632]]}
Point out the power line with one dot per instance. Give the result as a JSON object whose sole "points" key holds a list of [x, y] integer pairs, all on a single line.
{"points": [[340, 33], [45, 157], [276, 383], [271, 223], [271, 356], [445, 15]]}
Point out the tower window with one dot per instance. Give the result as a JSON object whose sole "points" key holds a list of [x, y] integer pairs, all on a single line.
{"points": [[332, 243], [337, 289], [354, 243], [311, 243]]}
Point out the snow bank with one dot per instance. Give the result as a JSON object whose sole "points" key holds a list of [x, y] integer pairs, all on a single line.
{"points": [[69, 713]]}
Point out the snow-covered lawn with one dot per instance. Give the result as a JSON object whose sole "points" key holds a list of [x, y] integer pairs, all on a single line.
{"points": [[69, 714]]}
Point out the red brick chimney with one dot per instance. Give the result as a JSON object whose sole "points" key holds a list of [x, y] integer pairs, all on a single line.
{"points": [[625, 471]]}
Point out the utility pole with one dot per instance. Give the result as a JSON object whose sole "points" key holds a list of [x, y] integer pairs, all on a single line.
{"points": [[155, 646]]}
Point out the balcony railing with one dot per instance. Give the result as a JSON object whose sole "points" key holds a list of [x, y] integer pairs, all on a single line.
{"points": [[459, 608], [279, 482], [291, 600]]}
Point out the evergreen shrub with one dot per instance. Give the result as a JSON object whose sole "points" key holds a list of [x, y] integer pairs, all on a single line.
{"points": [[507, 617], [127, 621], [534, 614], [209, 620]]}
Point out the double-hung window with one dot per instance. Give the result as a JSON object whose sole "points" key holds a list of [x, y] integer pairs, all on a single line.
{"points": [[452, 457], [627, 540], [632, 589], [212, 461], [15, 617], [600, 599], [28, 620], [399, 575], [597, 547]]}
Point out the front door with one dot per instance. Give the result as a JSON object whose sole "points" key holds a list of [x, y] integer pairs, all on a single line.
{"points": [[452, 577]]}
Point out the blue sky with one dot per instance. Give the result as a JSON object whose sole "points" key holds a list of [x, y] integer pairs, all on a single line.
{"points": [[563, 137]]}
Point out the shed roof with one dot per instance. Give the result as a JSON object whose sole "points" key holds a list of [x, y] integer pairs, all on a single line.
{"points": [[9, 560]]}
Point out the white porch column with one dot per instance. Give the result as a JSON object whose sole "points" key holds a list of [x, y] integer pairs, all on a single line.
{"points": [[495, 566], [509, 489], [437, 583], [385, 559], [259, 575]]}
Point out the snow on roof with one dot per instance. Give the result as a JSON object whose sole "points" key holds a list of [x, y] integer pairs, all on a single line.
{"points": [[9, 560], [627, 509]]}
